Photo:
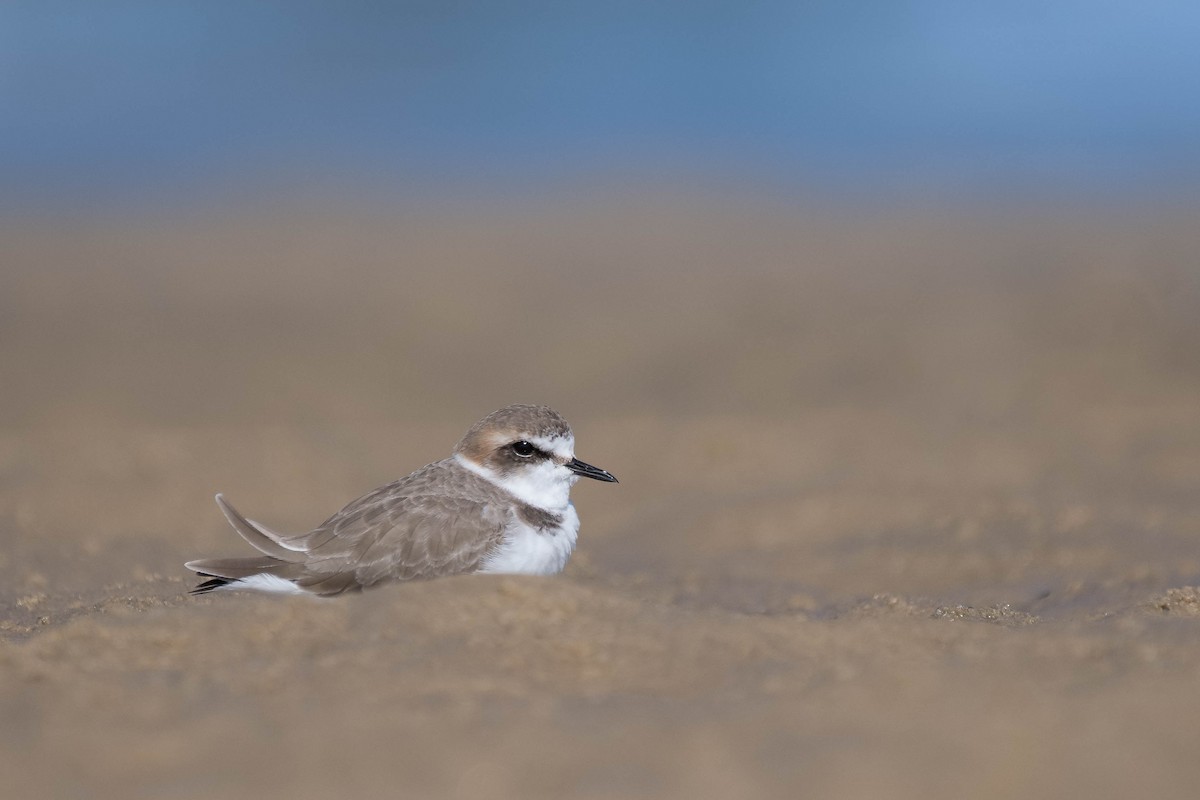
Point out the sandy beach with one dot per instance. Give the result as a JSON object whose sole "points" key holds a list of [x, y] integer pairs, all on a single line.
{"points": [[909, 501]]}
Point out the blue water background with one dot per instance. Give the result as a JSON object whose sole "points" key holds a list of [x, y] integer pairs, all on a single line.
{"points": [[105, 102]]}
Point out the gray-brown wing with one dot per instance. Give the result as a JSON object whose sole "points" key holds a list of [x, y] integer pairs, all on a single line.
{"points": [[441, 520]]}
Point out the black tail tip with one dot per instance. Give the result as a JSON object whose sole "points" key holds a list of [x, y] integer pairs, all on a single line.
{"points": [[210, 584]]}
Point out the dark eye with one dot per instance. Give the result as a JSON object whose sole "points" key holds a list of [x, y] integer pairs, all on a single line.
{"points": [[523, 449]]}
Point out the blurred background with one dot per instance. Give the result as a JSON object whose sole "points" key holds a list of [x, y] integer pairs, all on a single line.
{"points": [[396, 173], [886, 315], [139, 104]]}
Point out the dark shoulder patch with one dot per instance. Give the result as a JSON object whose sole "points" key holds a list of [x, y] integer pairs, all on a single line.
{"points": [[537, 517]]}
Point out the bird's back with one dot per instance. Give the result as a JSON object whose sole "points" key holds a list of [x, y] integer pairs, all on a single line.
{"points": [[440, 520]]}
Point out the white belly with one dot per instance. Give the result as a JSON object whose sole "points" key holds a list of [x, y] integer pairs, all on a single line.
{"points": [[529, 551]]}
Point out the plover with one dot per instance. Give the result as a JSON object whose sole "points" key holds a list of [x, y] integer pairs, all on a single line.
{"points": [[500, 504]]}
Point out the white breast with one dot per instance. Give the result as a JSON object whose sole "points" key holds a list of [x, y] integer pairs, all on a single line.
{"points": [[529, 551]]}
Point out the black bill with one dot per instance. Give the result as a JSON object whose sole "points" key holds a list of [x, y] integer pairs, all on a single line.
{"points": [[588, 471]]}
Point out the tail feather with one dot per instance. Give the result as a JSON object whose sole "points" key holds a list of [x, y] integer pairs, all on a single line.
{"points": [[260, 537], [209, 585], [235, 568], [276, 570], [225, 571]]}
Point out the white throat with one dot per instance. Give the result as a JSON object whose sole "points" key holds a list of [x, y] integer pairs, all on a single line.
{"points": [[544, 485]]}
